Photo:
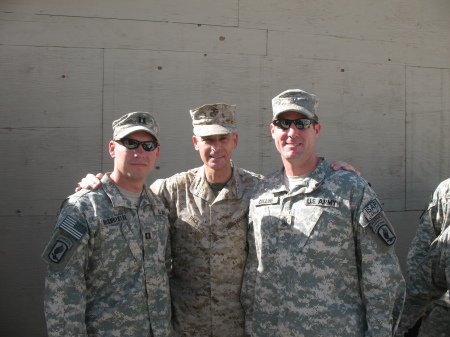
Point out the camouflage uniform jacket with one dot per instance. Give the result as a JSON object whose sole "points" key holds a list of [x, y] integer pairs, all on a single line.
{"points": [[321, 260], [208, 238], [102, 280], [431, 280], [434, 220]]}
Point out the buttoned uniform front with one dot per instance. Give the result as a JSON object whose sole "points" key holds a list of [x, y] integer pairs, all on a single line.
{"points": [[316, 266], [433, 222], [109, 282], [208, 240]]}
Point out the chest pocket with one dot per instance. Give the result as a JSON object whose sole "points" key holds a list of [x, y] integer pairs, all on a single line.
{"points": [[116, 244]]}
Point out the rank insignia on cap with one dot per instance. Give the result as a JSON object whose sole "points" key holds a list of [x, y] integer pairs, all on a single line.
{"points": [[73, 227], [61, 246]]}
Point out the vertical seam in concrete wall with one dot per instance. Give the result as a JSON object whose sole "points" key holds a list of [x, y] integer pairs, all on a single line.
{"points": [[405, 140]]}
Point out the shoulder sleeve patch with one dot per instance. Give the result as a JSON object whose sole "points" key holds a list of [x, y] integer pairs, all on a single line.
{"points": [[372, 209], [60, 250], [73, 227]]}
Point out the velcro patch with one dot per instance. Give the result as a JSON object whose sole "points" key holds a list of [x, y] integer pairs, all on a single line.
{"points": [[322, 202], [60, 248], [372, 209], [267, 201], [381, 227], [160, 210], [73, 227]]}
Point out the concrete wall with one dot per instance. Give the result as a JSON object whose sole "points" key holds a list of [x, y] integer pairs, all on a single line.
{"points": [[381, 69]]}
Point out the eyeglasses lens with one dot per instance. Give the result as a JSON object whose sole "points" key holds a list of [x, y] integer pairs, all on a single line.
{"points": [[301, 123], [133, 144]]}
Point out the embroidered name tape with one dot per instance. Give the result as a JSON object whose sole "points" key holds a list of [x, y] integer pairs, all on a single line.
{"points": [[268, 201], [322, 202], [115, 219], [73, 227]]}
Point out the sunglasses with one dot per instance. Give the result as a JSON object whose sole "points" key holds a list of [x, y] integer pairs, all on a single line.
{"points": [[301, 123], [134, 144]]}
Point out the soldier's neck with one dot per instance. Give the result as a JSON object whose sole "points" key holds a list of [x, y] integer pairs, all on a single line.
{"points": [[218, 176]]}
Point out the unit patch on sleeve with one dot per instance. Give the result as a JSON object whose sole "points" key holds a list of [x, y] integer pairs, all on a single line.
{"points": [[73, 227], [372, 209], [382, 228], [60, 248]]}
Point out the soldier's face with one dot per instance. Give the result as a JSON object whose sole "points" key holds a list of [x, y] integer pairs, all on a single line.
{"points": [[295, 146], [134, 164], [216, 150]]}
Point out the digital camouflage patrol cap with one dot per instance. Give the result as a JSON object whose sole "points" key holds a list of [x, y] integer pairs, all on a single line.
{"points": [[296, 100], [214, 119], [135, 121]]}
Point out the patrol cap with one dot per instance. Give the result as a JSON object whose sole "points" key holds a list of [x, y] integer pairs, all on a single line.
{"points": [[135, 121], [295, 100], [214, 119]]}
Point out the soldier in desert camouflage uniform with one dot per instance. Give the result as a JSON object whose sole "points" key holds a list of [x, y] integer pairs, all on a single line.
{"points": [[433, 222], [107, 272], [208, 218], [321, 260]]}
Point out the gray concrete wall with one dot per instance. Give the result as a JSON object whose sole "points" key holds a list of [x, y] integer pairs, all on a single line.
{"points": [[381, 69]]}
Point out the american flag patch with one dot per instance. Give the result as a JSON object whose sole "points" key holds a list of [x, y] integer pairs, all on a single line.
{"points": [[73, 227]]}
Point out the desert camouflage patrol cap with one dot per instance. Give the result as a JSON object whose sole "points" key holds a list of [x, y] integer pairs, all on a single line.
{"points": [[214, 119], [135, 121], [296, 100]]}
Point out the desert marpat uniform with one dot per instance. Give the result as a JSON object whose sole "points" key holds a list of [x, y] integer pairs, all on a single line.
{"points": [[434, 220], [317, 265], [208, 239], [104, 280]]}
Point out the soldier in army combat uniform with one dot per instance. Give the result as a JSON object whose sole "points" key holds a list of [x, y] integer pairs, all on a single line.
{"points": [[433, 222], [107, 268], [321, 260]]}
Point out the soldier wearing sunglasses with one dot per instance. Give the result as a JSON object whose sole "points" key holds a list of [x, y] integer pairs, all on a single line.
{"points": [[107, 272], [321, 256], [208, 214]]}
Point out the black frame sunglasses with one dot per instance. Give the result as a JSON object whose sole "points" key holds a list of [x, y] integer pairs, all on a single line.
{"points": [[132, 144], [285, 124]]}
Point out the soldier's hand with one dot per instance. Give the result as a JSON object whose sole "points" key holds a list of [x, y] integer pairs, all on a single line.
{"points": [[339, 164], [89, 182]]}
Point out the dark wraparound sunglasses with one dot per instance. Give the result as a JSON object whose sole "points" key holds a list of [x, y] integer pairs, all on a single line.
{"points": [[134, 144], [301, 123]]}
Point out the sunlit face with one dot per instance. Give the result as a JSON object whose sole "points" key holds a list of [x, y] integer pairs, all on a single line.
{"points": [[133, 165], [296, 146], [216, 150]]}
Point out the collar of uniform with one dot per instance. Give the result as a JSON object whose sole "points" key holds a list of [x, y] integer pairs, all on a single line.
{"points": [[312, 182], [201, 188], [114, 194], [315, 178]]}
